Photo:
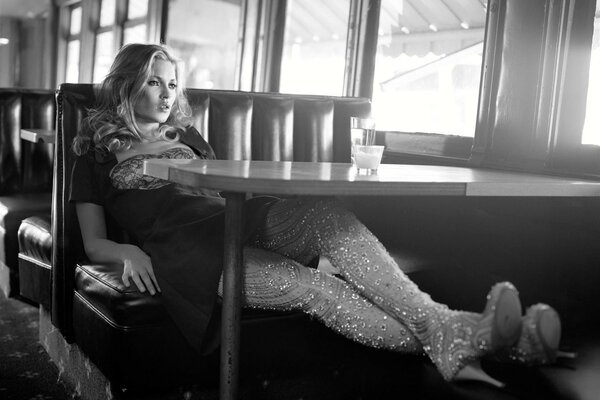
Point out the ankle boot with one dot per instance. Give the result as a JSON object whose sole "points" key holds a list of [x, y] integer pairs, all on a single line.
{"points": [[455, 339], [539, 341]]}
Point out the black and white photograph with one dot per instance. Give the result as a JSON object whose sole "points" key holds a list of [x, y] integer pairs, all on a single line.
{"points": [[299, 199]]}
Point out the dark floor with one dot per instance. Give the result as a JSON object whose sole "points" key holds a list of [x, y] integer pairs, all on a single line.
{"points": [[26, 371]]}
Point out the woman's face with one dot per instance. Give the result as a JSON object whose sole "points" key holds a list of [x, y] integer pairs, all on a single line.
{"points": [[157, 97]]}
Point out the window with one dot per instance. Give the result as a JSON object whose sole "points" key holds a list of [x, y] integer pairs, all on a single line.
{"points": [[205, 35], [73, 45], [314, 49], [428, 66], [136, 29], [591, 128], [92, 31], [110, 35]]}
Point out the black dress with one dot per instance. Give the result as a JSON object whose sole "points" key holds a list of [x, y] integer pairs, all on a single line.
{"points": [[180, 229]]}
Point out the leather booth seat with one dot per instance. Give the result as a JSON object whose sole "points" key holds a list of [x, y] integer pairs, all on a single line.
{"points": [[127, 334], [25, 173], [116, 327], [35, 255]]}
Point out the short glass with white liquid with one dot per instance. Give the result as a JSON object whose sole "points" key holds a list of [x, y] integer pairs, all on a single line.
{"points": [[367, 158]]}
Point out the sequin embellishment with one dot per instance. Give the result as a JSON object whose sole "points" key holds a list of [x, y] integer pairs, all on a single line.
{"points": [[128, 173]]}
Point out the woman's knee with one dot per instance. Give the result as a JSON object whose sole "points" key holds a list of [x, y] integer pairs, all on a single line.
{"points": [[304, 204], [270, 265]]}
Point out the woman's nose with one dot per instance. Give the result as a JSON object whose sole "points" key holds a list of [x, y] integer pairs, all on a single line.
{"points": [[165, 93]]}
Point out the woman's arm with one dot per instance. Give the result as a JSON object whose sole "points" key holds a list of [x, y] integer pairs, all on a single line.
{"points": [[136, 264]]}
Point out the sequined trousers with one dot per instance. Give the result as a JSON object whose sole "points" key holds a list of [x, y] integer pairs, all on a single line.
{"points": [[375, 303]]}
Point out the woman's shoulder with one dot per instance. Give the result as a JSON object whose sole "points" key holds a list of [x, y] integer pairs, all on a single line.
{"points": [[94, 157], [191, 137]]}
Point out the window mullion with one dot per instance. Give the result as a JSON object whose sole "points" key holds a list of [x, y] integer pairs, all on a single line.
{"points": [[91, 12], [569, 155], [352, 40], [120, 21], [63, 40], [248, 31], [361, 48], [552, 78], [270, 46], [130, 23], [488, 88], [156, 16]]}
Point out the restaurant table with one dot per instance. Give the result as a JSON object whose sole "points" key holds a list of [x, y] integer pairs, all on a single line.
{"points": [[237, 178], [39, 135]]}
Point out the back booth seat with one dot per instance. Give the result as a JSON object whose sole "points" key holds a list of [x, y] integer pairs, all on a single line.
{"points": [[25, 182], [115, 326]]}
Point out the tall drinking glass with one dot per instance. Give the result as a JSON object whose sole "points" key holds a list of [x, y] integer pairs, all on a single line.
{"points": [[362, 133]]}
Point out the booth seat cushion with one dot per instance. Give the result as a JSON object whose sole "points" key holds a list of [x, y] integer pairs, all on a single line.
{"points": [[14, 209], [115, 326], [101, 286], [26, 170], [35, 254], [35, 238]]}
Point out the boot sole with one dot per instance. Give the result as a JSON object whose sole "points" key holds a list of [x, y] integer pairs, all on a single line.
{"points": [[549, 330], [507, 316]]}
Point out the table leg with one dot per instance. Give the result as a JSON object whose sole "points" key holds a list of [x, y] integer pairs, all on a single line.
{"points": [[232, 295]]}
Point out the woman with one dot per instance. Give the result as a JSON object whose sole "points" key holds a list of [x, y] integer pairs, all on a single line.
{"points": [[176, 240]]}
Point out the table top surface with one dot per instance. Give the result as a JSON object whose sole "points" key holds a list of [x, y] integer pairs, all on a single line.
{"points": [[315, 178], [39, 135], [324, 178]]}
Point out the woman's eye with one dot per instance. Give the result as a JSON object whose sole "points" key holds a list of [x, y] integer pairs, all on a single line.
{"points": [[153, 83], [172, 85]]}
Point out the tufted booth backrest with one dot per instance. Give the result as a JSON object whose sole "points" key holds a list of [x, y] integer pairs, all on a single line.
{"points": [[238, 125], [25, 166]]}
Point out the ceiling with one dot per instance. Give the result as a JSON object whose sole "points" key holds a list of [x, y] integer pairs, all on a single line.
{"points": [[326, 19], [329, 18]]}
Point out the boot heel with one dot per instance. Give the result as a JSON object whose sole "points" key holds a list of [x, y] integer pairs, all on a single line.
{"points": [[474, 372], [566, 354]]}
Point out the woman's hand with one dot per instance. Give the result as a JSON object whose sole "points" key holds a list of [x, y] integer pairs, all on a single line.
{"points": [[137, 267]]}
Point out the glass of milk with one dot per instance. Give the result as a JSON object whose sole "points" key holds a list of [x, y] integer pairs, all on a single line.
{"points": [[367, 158]]}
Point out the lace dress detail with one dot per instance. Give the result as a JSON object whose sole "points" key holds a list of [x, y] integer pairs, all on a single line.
{"points": [[128, 174]]}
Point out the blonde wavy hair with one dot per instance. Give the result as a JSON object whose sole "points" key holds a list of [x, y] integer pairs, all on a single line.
{"points": [[111, 126]]}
